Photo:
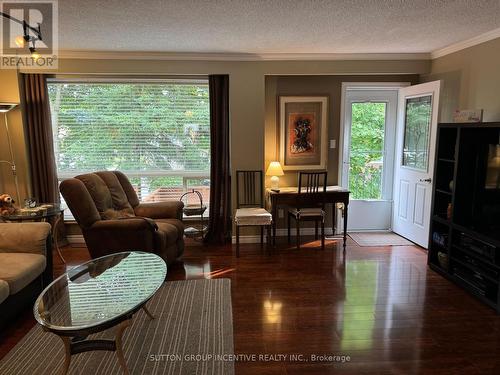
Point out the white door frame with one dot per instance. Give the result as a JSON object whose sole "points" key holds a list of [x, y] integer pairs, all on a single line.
{"points": [[385, 204]]}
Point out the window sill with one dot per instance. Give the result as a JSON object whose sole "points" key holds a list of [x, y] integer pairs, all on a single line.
{"points": [[189, 219]]}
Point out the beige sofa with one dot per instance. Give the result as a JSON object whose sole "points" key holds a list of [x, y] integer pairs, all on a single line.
{"points": [[25, 265]]}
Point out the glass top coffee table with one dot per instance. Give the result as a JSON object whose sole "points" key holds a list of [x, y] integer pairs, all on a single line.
{"points": [[98, 295]]}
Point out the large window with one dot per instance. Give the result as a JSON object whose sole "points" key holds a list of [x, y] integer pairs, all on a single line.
{"points": [[156, 132]]}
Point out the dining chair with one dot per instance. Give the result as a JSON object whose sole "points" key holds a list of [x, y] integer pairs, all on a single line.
{"points": [[308, 207], [249, 206]]}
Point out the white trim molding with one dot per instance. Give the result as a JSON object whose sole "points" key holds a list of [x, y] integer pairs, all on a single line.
{"points": [[76, 239], [193, 56], [455, 47], [283, 233]]}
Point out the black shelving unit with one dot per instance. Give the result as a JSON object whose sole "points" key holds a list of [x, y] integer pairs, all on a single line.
{"points": [[464, 243]]}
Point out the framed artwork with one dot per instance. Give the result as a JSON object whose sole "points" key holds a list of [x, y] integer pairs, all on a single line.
{"points": [[303, 132]]}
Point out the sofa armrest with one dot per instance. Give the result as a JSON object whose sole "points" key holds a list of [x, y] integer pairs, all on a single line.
{"points": [[160, 210], [24, 237]]}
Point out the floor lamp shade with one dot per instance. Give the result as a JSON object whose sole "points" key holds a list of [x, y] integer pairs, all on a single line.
{"points": [[4, 109]]}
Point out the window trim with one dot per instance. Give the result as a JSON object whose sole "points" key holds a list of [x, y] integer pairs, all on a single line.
{"points": [[126, 79]]}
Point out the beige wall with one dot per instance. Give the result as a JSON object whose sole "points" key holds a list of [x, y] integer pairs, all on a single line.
{"points": [[9, 93], [330, 86], [470, 80], [247, 89]]}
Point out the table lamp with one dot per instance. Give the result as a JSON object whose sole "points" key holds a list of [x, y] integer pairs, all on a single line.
{"points": [[4, 108], [274, 170]]}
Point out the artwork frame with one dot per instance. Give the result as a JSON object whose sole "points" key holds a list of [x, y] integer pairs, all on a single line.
{"points": [[303, 130]]}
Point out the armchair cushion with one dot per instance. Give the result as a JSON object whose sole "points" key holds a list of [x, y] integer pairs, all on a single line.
{"points": [[108, 194], [20, 269], [24, 238], [4, 290], [118, 195], [80, 202]]}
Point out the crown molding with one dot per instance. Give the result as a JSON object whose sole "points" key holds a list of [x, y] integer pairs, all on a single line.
{"points": [[222, 56], [490, 35], [187, 56]]}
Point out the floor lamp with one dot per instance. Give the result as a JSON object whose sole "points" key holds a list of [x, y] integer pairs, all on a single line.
{"points": [[4, 108]]}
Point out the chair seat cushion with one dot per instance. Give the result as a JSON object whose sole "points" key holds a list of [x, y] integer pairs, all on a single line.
{"points": [[4, 290], [20, 269], [307, 212], [252, 216]]}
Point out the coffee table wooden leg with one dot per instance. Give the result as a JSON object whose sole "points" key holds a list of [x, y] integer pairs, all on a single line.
{"points": [[148, 313], [67, 354], [119, 346]]}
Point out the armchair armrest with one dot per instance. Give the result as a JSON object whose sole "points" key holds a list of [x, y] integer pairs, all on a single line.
{"points": [[24, 238], [129, 224], [160, 210], [111, 236]]}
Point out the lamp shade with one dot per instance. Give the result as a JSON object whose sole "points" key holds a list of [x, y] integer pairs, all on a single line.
{"points": [[274, 169], [6, 107]]}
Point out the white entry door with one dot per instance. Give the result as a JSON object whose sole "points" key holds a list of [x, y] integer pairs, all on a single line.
{"points": [[368, 135], [415, 147]]}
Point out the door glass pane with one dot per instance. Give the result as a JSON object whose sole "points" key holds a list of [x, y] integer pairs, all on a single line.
{"points": [[366, 158], [416, 136]]}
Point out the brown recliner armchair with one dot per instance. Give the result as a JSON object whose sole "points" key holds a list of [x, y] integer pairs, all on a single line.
{"points": [[112, 219]]}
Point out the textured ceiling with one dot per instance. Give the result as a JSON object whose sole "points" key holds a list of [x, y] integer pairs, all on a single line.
{"points": [[273, 26]]}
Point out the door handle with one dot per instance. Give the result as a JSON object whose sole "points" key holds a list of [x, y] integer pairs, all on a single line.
{"points": [[426, 180]]}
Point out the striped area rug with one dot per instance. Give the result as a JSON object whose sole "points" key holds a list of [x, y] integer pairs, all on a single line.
{"points": [[192, 334]]}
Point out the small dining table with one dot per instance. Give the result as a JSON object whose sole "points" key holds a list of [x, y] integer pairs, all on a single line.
{"points": [[288, 196]]}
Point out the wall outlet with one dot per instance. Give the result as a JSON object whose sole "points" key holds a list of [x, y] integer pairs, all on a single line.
{"points": [[333, 143], [281, 213]]}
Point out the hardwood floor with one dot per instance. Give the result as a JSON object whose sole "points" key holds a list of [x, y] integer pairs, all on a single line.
{"points": [[381, 306]]}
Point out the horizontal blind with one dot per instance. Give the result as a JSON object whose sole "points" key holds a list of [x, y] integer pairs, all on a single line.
{"points": [[157, 129]]}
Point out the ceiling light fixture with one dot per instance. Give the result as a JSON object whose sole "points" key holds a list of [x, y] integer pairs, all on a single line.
{"points": [[20, 41], [30, 35]]}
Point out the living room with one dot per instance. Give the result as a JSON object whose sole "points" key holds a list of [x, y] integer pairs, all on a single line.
{"points": [[161, 166]]}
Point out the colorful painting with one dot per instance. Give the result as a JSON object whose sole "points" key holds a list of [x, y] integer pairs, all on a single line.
{"points": [[301, 141], [303, 132]]}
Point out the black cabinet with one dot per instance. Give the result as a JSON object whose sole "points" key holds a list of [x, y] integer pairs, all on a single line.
{"points": [[464, 243]]}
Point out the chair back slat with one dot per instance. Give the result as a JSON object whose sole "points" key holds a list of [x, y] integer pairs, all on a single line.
{"points": [[312, 182], [249, 189]]}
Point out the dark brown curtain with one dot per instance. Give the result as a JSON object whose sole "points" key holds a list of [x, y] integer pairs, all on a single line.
{"points": [[219, 222], [36, 112]]}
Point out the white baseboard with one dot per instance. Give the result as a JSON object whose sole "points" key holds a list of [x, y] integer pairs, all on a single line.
{"points": [[281, 233], [75, 239]]}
